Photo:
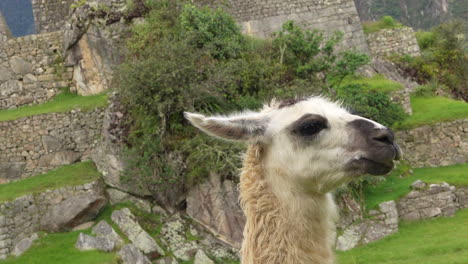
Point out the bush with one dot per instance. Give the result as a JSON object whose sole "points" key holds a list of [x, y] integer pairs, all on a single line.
{"points": [[185, 58], [386, 22], [371, 104]]}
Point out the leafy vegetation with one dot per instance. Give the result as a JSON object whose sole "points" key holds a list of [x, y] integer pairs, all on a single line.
{"points": [[393, 187], [60, 248], [443, 60], [386, 22], [63, 102], [185, 58], [431, 110], [69, 175], [436, 241]]}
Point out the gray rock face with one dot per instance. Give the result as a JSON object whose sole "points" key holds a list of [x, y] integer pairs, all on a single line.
{"points": [[24, 245], [116, 196], [20, 66], [103, 229], [59, 158], [350, 238], [132, 255], [51, 143], [73, 211], [11, 170], [139, 237], [86, 242], [215, 205], [174, 235], [202, 258]]}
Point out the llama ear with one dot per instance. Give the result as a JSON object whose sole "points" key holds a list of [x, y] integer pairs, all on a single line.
{"points": [[242, 127]]}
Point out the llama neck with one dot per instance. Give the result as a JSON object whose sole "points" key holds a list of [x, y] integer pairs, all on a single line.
{"points": [[283, 227]]}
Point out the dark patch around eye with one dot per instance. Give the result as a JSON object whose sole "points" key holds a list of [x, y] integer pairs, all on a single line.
{"points": [[309, 125]]}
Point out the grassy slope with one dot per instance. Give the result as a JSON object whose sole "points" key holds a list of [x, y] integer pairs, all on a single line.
{"points": [[437, 241], [394, 187], [63, 102], [376, 83], [69, 175], [431, 110], [60, 248]]}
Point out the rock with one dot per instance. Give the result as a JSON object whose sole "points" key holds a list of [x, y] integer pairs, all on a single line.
{"points": [[117, 196], [20, 66], [418, 185], [11, 170], [166, 260], [202, 258], [174, 234], [83, 226], [59, 158], [350, 238], [132, 255], [51, 143], [74, 210], [5, 74], [86, 242], [431, 212], [130, 227], [386, 207], [80, 137], [103, 229], [215, 205], [24, 245]]}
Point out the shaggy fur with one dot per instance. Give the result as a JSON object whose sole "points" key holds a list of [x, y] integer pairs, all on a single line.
{"points": [[299, 151], [296, 231]]}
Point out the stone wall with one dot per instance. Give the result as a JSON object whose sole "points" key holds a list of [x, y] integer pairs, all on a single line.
{"points": [[52, 210], [49, 15], [441, 144], [4, 29], [37, 144], [389, 41], [432, 201], [32, 69], [262, 17]]}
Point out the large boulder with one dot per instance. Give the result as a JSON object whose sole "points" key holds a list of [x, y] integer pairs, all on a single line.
{"points": [[87, 242], [215, 205], [20, 66], [74, 210], [139, 237], [11, 171], [132, 255], [103, 229], [24, 245]]}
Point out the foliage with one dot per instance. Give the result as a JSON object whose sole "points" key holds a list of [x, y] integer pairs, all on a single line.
{"points": [[396, 186], [431, 110], [386, 22], [444, 58], [184, 58], [435, 241], [69, 175], [374, 105], [63, 102], [214, 30], [314, 58]]}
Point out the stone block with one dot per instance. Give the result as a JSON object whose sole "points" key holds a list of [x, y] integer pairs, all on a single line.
{"points": [[87, 242]]}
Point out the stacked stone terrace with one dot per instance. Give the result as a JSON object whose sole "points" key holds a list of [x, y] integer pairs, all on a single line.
{"points": [[32, 69], [262, 17], [387, 42], [49, 14]]}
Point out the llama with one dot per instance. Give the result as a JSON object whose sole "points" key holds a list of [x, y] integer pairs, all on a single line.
{"points": [[299, 151]]}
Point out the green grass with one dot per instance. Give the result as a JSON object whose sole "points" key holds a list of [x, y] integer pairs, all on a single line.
{"points": [[437, 241], [69, 175], [395, 187], [431, 110], [63, 102], [385, 22], [60, 248], [375, 83]]}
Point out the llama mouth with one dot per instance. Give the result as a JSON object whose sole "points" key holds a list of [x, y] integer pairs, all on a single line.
{"points": [[363, 165]]}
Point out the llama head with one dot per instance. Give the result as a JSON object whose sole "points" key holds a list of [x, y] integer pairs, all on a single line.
{"points": [[311, 145]]}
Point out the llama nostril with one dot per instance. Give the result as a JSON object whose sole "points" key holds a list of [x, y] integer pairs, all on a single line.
{"points": [[384, 136]]}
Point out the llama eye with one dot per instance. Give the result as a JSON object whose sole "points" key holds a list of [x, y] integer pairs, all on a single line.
{"points": [[311, 128]]}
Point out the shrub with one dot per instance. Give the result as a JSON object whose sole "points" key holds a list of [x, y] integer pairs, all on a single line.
{"points": [[371, 104], [386, 22]]}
